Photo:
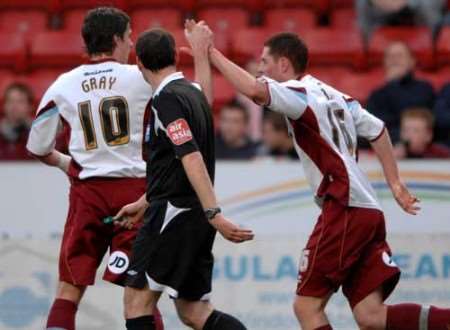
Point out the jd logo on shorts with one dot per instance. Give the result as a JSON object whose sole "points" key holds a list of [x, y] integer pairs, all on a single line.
{"points": [[118, 262]]}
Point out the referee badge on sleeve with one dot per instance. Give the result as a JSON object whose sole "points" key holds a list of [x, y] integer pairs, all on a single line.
{"points": [[179, 132]]}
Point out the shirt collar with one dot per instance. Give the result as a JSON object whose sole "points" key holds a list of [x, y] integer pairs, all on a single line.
{"points": [[101, 60], [171, 77]]}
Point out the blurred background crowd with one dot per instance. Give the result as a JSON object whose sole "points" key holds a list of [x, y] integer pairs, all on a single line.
{"points": [[391, 55]]}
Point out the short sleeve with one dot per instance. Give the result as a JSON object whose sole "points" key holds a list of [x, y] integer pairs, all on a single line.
{"points": [[45, 126], [176, 122], [367, 125], [288, 100]]}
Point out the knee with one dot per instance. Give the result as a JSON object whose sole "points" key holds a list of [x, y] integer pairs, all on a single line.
{"points": [[304, 310], [192, 320], [136, 302], [70, 292], [369, 319]]}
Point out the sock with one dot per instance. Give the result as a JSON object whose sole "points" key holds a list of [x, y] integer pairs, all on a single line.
{"points": [[146, 322], [62, 314], [438, 318], [221, 321], [325, 327], [404, 317], [159, 325]]}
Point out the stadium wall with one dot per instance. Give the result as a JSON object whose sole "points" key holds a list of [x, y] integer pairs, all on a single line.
{"points": [[255, 281]]}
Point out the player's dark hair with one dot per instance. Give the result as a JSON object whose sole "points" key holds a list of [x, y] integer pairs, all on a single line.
{"points": [[289, 45], [100, 25], [156, 50], [236, 105], [22, 88]]}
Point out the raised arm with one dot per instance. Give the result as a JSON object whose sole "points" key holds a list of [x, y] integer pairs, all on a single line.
{"points": [[385, 153], [203, 74]]}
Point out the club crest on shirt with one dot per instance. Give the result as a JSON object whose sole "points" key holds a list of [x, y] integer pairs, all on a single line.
{"points": [[179, 132]]}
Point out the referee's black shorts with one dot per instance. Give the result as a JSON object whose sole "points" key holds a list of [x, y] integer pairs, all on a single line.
{"points": [[173, 252]]}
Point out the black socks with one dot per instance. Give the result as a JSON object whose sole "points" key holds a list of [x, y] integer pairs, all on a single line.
{"points": [[146, 322]]}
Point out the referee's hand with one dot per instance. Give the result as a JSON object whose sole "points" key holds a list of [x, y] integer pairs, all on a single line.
{"points": [[230, 231]]}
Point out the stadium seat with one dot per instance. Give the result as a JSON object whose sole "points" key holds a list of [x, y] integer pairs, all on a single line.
{"points": [[249, 4], [359, 85], [40, 81], [23, 21], [187, 5], [144, 19], [225, 20], [335, 46], [6, 78], [344, 18], [56, 49], [437, 78], [293, 19], [248, 43], [443, 46], [73, 19], [30, 4], [12, 51], [87, 4], [223, 91], [419, 39], [288, 3]]}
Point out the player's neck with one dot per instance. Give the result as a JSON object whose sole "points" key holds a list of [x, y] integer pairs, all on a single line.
{"points": [[102, 57], [156, 78]]}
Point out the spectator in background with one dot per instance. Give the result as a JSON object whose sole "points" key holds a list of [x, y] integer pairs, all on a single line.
{"points": [[375, 13], [14, 127], [276, 139], [401, 91], [417, 135], [232, 141], [442, 114]]}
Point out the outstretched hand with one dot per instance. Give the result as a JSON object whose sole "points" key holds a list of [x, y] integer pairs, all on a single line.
{"points": [[230, 231], [199, 36], [407, 201]]}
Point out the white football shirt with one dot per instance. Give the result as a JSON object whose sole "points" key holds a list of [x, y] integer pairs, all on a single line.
{"points": [[324, 124], [103, 105]]}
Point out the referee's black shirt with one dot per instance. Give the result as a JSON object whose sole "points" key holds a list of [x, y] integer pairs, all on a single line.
{"points": [[180, 123]]}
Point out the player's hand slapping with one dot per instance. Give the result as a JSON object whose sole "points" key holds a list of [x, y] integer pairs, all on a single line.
{"points": [[131, 214], [199, 36], [407, 201], [230, 231]]}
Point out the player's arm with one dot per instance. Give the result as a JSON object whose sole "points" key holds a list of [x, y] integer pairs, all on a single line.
{"points": [[202, 67], [41, 140], [263, 91]]}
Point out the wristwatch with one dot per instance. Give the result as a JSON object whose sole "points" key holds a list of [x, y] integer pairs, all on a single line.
{"points": [[212, 212]]}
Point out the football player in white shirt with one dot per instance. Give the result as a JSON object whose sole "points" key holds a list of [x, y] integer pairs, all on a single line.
{"points": [[348, 246], [102, 106]]}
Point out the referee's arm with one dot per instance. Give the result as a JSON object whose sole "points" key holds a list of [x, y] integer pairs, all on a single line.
{"points": [[198, 176]]}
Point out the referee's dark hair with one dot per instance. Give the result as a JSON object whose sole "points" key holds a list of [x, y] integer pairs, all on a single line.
{"points": [[100, 25], [289, 45], [156, 50]]}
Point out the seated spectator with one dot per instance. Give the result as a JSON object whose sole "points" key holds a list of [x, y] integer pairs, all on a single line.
{"points": [[401, 91], [374, 13], [232, 140], [276, 139], [442, 114], [14, 127], [417, 135]]}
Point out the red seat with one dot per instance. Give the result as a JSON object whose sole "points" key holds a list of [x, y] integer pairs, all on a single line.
{"points": [[144, 19], [344, 18], [41, 80], [360, 85], [13, 51], [334, 47], [30, 4], [23, 21], [73, 19], [437, 78], [225, 20], [249, 4], [187, 5], [88, 4], [223, 91], [288, 3], [419, 39], [6, 78], [57, 49], [290, 19], [443, 46], [248, 43]]}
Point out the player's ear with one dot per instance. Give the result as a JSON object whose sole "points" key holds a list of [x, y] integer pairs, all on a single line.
{"points": [[284, 63]]}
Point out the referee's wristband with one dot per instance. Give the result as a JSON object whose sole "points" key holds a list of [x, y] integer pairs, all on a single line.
{"points": [[212, 212]]}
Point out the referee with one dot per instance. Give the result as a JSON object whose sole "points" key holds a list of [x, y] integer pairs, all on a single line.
{"points": [[173, 249]]}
